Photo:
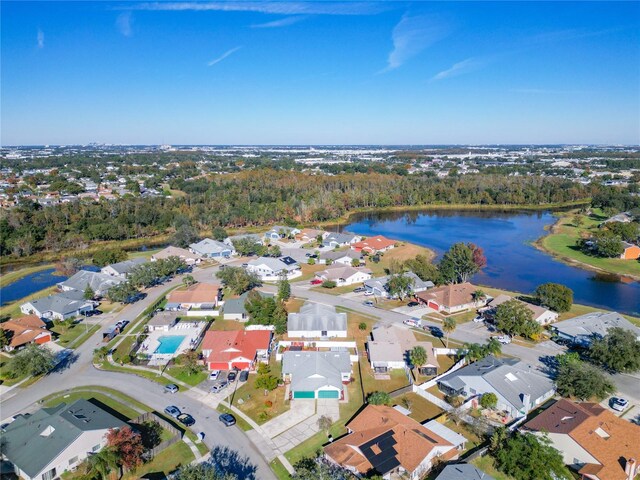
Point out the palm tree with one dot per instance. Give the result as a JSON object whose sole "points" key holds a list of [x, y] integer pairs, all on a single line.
{"points": [[449, 325], [101, 464], [494, 347], [478, 296]]}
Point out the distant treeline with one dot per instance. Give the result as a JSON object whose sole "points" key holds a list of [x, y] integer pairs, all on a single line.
{"points": [[261, 197]]}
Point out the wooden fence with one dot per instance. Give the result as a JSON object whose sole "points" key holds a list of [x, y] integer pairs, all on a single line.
{"points": [[175, 437]]}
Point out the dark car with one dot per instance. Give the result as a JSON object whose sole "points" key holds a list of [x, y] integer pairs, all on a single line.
{"points": [[186, 419], [412, 304], [244, 375], [173, 411], [228, 419], [359, 290], [97, 312], [232, 376], [436, 332]]}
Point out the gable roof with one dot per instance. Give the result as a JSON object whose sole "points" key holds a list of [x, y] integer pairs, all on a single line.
{"points": [[237, 305], [164, 318], [99, 282], [274, 264], [586, 423], [317, 317], [172, 251], [197, 293], [333, 255], [537, 310], [32, 442], [62, 303], [382, 439], [339, 237], [24, 329], [595, 323], [463, 471], [313, 370], [342, 272], [450, 295], [404, 339], [209, 246], [375, 243], [126, 266], [225, 346], [381, 282]]}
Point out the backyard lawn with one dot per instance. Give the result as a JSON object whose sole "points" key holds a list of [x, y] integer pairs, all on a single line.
{"points": [[403, 251], [487, 465], [167, 461], [421, 409]]}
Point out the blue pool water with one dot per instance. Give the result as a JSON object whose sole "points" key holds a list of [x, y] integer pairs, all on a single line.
{"points": [[169, 344]]}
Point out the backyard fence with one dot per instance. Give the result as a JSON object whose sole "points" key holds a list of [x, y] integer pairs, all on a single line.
{"points": [[401, 391], [176, 434]]}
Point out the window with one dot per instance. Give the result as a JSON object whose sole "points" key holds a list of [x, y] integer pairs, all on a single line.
{"points": [[73, 460], [50, 475], [323, 333], [95, 448]]}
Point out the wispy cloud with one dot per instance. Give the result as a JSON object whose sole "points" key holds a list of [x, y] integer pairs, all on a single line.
{"points": [[223, 56], [283, 22], [460, 68], [124, 23], [40, 38], [282, 8], [411, 35]]}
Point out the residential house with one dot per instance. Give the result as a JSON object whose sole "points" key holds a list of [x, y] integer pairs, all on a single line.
{"points": [[163, 321], [241, 349], [452, 298], [382, 440], [519, 386], [379, 287], [630, 251], [310, 235], [462, 471], [257, 239], [373, 245], [583, 329], [316, 374], [268, 268], [542, 315], [122, 269], [344, 257], [22, 331], [278, 232], [209, 248], [335, 240], [344, 275], [189, 257], [595, 442], [234, 308], [60, 306], [623, 217], [99, 282], [315, 321], [390, 346], [51, 441], [204, 296]]}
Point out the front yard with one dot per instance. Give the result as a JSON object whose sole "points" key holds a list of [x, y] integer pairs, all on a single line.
{"points": [[75, 334]]}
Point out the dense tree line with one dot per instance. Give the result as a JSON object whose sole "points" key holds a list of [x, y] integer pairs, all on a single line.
{"points": [[261, 197]]}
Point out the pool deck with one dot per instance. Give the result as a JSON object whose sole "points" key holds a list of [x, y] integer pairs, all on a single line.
{"points": [[189, 330]]}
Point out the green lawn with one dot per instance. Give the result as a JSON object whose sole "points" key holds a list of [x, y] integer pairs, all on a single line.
{"points": [[181, 373], [87, 393], [487, 465], [421, 409], [75, 334], [281, 472], [561, 242], [167, 461], [5, 372], [12, 309]]}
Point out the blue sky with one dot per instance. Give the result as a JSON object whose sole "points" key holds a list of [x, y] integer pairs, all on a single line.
{"points": [[320, 73]]}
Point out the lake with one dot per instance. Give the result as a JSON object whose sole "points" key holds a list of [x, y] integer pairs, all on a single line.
{"points": [[512, 262]]}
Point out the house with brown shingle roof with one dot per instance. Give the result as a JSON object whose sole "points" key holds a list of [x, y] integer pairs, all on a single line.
{"points": [[594, 442], [384, 441], [452, 298], [541, 315], [25, 330], [200, 295]]}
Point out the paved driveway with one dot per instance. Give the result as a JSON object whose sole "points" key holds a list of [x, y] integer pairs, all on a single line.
{"points": [[300, 410], [306, 429]]}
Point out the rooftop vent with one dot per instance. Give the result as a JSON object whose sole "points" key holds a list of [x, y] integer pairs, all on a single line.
{"points": [[47, 431]]}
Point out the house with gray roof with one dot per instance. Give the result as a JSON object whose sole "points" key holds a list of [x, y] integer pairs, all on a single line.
{"points": [[519, 386], [122, 269], [257, 239], [345, 257], [51, 441], [316, 374], [209, 248], [463, 471], [278, 232], [269, 268], [60, 306], [234, 308], [315, 320], [98, 281], [380, 286], [583, 329], [338, 239]]}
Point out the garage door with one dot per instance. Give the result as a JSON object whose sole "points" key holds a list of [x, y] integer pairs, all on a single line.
{"points": [[328, 394], [303, 394]]}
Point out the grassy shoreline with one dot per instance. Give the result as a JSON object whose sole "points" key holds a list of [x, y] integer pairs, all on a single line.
{"points": [[561, 240]]}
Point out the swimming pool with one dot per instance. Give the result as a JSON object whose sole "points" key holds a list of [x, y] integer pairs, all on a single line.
{"points": [[169, 344]]}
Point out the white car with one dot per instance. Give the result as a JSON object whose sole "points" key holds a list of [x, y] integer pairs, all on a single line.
{"points": [[478, 319], [367, 294], [214, 375], [412, 322], [618, 404], [503, 339]]}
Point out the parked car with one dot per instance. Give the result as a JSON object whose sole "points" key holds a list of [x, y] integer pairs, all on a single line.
{"points": [[223, 266], [218, 387], [232, 376], [368, 294], [478, 319], [244, 375], [214, 375], [316, 281], [228, 419], [412, 304], [97, 312], [435, 331], [503, 339], [172, 410], [412, 322], [359, 290], [619, 404], [307, 254], [369, 303], [186, 419], [171, 388]]}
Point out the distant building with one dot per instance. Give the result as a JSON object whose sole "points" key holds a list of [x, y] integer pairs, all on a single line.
{"points": [[122, 269], [540, 314], [344, 275], [335, 239], [583, 329], [278, 232], [189, 257], [315, 321], [380, 286], [99, 282], [630, 251], [59, 307], [373, 245], [209, 248], [268, 268]]}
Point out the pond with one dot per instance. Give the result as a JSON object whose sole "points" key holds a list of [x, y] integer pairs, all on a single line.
{"points": [[513, 263], [32, 283]]}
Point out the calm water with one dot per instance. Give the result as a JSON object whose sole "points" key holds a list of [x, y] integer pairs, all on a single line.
{"points": [[33, 283], [512, 263]]}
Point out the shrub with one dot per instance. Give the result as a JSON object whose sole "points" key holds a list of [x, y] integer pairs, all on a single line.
{"points": [[329, 284], [454, 400], [379, 398], [268, 404], [362, 326]]}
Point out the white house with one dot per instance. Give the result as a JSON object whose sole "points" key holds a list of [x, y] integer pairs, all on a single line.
{"points": [[51, 441], [268, 268], [542, 315], [316, 320], [345, 257], [122, 269], [583, 329], [278, 232], [344, 275], [59, 307], [336, 239], [316, 374], [187, 256], [99, 282], [209, 248]]}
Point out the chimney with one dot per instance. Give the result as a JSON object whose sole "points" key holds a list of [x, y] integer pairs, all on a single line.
{"points": [[526, 401], [630, 468]]}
